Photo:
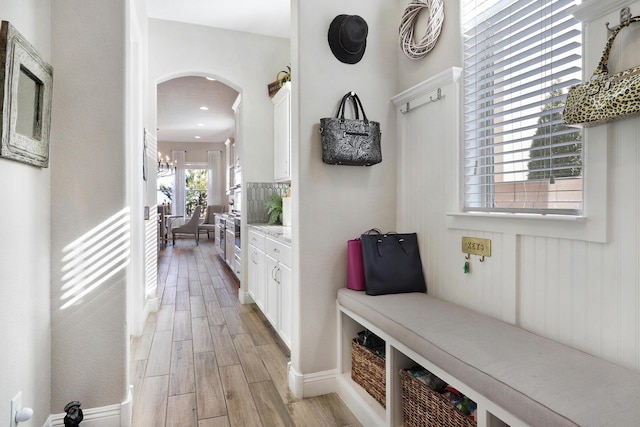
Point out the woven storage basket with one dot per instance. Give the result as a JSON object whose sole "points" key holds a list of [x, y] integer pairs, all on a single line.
{"points": [[368, 370], [423, 407]]}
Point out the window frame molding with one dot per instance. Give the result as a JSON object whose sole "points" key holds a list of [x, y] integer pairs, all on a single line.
{"points": [[592, 224]]}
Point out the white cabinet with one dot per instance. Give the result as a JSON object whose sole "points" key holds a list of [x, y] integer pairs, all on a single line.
{"points": [[272, 306], [282, 134], [270, 281], [230, 250], [279, 288], [257, 270], [286, 303], [230, 166]]}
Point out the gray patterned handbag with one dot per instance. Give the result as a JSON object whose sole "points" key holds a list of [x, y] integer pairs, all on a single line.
{"points": [[354, 142]]}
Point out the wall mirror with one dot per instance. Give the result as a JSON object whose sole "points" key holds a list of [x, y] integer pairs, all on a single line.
{"points": [[26, 99]]}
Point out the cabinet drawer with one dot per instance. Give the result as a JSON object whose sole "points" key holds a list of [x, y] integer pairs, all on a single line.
{"points": [[256, 239], [279, 251]]}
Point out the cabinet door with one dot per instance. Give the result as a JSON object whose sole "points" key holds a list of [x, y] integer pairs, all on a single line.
{"points": [[257, 276], [261, 282], [230, 241], [272, 292], [252, 273], [282, 134], [286, 304]]}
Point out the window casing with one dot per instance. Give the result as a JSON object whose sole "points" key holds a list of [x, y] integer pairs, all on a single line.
{"points": [[520, 58]]}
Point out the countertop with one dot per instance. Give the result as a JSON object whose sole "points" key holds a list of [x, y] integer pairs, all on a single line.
{"points": [[278, 232]]}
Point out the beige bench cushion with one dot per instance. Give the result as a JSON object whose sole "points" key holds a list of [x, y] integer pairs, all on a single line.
{"points": [[542, 382]]}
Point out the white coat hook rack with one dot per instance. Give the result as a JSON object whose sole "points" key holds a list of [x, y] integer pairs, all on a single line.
{"points": [[408, 107], [625, 19], [438, 97]]}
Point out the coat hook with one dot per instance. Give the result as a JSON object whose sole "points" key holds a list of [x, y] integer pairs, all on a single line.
{"points": [[625, 19], [438, 96]]}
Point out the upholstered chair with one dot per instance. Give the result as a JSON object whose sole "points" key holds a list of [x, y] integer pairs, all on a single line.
{"points": [[190, 227], [209, 224]]}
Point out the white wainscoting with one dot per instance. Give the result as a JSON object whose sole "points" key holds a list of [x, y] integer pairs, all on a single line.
{"points": [[582, 293]]}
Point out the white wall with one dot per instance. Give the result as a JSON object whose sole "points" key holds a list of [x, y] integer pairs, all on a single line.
{"points": [[88, 180], [246, 62], [25, 251], [335, 203], [582, 293], [446, 53]]}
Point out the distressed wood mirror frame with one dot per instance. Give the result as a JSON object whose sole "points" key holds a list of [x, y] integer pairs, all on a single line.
{"points": [[25, 97]]}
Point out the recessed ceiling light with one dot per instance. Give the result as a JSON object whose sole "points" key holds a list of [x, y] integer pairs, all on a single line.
{"points": [[200, 124], [204, 107], [197, 137]]}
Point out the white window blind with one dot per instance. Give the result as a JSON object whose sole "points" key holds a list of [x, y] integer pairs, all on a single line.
{"points": [[520, 57]]}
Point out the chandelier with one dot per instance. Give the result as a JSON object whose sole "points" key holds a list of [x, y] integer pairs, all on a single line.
{"points": [[165, 167]]}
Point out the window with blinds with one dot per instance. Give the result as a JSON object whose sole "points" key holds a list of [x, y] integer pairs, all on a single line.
{"points": [[520, 58]]}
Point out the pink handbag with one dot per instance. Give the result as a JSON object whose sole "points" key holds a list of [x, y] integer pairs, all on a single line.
{"points": [[355, 265]]}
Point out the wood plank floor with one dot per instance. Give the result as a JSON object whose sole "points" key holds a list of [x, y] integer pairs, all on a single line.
{"points": [[205, 360]]}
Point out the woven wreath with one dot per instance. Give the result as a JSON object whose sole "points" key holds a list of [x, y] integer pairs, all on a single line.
{"points": [[417, 49]]}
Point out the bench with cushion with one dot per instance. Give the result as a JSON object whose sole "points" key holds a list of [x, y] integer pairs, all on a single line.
{"points": [[538, 381]]}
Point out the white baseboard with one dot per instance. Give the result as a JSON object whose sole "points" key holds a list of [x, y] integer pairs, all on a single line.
{"points": [[152, 305], [296, 381], [244, 297], [311, 385], [320, 383], [118, 415]]}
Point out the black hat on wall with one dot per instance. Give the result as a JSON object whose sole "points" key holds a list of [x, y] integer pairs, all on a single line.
{"points": [[348, 38]]}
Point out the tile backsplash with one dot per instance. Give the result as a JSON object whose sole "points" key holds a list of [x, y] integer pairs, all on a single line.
{"points": [[257, 194]]}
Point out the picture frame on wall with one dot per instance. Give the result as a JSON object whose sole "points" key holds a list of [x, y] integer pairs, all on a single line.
{"points": [[25, 96]]}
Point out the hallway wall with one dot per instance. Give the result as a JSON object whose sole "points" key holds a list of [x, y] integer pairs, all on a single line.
{"points": [[25, 251], [90, 215], [335, 203]]}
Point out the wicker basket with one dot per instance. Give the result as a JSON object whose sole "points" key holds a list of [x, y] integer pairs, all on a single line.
{"points": [[422, 406], [368, 370]]}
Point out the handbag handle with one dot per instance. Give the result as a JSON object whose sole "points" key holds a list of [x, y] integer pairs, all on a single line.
{"points": [[341, 107], [604, 60], [356, 103], [399, 239], [373, 230]]}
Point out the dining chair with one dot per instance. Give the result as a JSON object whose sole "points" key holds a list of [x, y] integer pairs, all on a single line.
{"points": [[190, 227], [209, 223]]}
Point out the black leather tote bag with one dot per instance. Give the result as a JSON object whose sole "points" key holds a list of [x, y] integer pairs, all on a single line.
{"points": [[392, 263]]}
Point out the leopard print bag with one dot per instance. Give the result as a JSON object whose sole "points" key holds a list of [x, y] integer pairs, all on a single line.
{"points": [[605, 97]]}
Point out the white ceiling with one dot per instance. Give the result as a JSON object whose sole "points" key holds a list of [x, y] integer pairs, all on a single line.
{"points": [[179, 100], [266, 17], [180, 117]]}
